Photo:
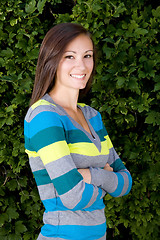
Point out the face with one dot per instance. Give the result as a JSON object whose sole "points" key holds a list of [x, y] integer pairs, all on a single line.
{"points": [[76, 64]]}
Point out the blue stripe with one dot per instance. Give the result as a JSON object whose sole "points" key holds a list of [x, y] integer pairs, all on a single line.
{"points": [[130, 183], [96, 122], [120, 186], [37, 124], [86, 197], [68, 125], [55, 204], [74, 231]]}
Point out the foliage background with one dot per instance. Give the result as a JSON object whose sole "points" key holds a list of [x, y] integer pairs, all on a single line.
{"points": [[125, 91]]}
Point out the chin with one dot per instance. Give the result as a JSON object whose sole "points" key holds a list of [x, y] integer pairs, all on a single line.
{"points": [[83, 86]]}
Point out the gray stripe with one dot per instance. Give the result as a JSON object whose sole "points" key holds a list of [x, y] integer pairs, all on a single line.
{"points": [[83, 161], [82, 218], [41, 108], [112, 155], [46, 191], [126, 180], [36, 164], [94, 196], [89, 111], [71, 200], [50, 108], [64, 165]]}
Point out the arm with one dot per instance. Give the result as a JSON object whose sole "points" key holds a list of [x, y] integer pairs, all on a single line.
{"points": [[85, 172], [117, 183], [46, 137]]}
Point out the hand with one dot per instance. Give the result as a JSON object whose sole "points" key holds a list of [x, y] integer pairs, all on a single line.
{"points": [[85, 174], [108, 168]]}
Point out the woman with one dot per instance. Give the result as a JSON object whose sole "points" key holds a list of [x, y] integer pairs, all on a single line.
{"points": [[70, 153]]}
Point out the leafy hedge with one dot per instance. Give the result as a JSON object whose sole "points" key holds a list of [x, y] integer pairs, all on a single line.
{"points": [[125, 90]]}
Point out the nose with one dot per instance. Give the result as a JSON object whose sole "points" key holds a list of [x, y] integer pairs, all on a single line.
{"points": [[80, 63]]}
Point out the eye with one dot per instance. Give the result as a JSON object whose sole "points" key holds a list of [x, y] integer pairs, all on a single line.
{"points": [[88, 56], [69, 57]]}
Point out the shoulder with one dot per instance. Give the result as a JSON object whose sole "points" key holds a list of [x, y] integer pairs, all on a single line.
{"points": [[89, 111], [41, 109]]}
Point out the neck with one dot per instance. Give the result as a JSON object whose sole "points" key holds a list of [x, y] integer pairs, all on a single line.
{"points": [[65, 98]]}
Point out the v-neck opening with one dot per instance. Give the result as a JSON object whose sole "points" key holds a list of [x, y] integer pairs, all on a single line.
{"points": [[88, 123], [93, 136]]}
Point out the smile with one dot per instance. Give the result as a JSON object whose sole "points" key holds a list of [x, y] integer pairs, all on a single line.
{"points": [[78, 76]]}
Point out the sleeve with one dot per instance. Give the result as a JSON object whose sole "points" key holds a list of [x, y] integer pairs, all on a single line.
{"points": [[46, 136], [117, 183]]}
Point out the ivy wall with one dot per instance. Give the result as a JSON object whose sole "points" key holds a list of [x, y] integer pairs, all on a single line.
{"points": [[126, 90]]}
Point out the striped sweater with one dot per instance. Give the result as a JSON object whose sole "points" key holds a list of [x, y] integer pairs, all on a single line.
{"points": [[57, 146]]}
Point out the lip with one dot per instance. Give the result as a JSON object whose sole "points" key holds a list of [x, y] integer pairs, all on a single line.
{"points": [[78, 76]]}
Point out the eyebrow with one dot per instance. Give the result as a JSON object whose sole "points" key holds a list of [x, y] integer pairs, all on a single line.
{"points": [[76, 52]]}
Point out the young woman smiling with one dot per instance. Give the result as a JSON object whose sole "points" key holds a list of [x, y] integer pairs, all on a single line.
{"points": [[70, 153]]}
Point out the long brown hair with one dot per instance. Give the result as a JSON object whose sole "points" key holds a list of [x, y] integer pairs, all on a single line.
{"points": [[50, 54]]}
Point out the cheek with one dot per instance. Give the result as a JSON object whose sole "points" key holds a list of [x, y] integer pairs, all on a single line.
{"points": [[90, 65], [66, 67]]}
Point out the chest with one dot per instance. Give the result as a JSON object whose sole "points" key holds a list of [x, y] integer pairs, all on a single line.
{"points": [[87, 151], [79, 118]]}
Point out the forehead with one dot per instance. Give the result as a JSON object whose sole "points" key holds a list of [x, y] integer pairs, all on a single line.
{"points": [[81, 43]]}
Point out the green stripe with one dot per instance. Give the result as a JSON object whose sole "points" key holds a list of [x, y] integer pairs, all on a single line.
{"points": [[75, 136], [118, 165], [104, 130], [47, 137], [67, 181], [101, 135], [42, 177]]}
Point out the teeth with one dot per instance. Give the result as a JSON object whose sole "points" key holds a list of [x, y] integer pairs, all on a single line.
{"points": [[78, 76]]}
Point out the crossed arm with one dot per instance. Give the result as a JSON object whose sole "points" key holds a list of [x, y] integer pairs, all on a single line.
{"points": [[86, 174], [45, 137]]}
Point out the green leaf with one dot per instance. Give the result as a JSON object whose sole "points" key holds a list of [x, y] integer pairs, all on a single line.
{"points": [[120, 81], [40, 5], [31, 7], [156, 13], [153, 118], [20, 227], [12, 185], [2, 61], [27, 236], [13, 22], [12, 213], [157, 87], [3, 232], [140, 31], [9, 121], [3, 219], [118, 10], [108, 51], [33, 54], [6, 53], [14, 236]]}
